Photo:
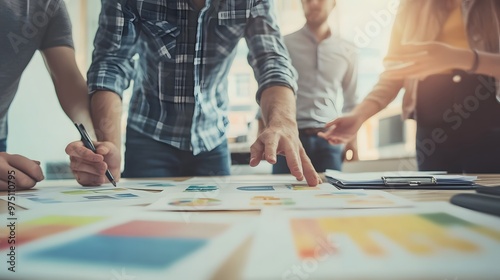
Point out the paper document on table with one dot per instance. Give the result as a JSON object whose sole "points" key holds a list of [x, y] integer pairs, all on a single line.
{"points": [[151, 185], [83, 197], [246, 179], [259, 199], [138, 244], [384, 243]]}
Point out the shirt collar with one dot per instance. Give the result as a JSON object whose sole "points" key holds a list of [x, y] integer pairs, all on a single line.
{"points": [[308, 33]]}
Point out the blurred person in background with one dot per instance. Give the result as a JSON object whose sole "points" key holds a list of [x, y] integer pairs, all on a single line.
{"points": [[445, 54], [327, 73]]}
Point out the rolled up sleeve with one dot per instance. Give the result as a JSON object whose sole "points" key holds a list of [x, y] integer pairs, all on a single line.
{"points": [[112, 64], [268, 55]]}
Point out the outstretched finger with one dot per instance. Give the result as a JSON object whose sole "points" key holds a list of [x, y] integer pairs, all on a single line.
{"points": [[294, 163], [310, 173], [256, 152]]}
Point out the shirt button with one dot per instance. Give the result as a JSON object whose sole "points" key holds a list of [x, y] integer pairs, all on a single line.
{"points": [[457, 79], [476, 37]]}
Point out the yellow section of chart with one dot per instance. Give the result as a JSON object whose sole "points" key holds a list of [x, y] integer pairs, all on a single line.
{"points": [[419, 235], [64, 220]]}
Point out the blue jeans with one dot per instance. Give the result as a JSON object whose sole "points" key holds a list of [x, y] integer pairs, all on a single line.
{"points": [[146, 157], [3, 145], [323, 155]]}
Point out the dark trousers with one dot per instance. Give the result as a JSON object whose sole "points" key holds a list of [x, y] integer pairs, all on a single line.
{"points": [[3, 145], [146, 157], [458, 124], [323, 155]]}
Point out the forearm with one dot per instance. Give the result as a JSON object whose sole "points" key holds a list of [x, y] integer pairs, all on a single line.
{"points": [[70, 85], [353, 143], [366, 109], [74, 99], [106, 110], [278, 106]]}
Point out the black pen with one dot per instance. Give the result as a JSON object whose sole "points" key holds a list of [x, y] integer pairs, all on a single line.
{"points": [[88, 143]]}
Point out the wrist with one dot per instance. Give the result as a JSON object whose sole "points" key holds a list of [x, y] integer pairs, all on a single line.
{"points": [[473, 61], [281, 121], [362, 113]]}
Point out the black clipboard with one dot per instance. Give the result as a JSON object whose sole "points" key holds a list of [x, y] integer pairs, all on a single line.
{"points": [[407, 182]]}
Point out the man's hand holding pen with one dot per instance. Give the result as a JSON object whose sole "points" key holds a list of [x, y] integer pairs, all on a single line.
{"points": [[90, 167]]}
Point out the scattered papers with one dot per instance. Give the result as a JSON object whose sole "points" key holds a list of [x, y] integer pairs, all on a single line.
{"points": [[139, 245], [434, 241], [151, 185], [246, 179], [262, 198], [83, 197], [220, 185]]}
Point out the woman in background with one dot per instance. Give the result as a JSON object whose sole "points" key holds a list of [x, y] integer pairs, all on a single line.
{"points": [[445, 54]]}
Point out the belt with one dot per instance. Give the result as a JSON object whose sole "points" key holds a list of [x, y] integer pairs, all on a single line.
{"points": [[311, 131]]}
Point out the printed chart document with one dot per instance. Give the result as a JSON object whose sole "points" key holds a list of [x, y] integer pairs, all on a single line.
{"points": [[82, 197], [258, 198], [433, 241], [246, 179], [121, 245], [232, 187], [220, 181]]}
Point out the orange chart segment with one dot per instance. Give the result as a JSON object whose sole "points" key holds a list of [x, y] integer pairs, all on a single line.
{"points": [[44, 226], [415, 234]]}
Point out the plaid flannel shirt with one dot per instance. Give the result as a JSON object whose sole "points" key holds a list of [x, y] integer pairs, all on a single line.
{"points": [[180, 79]]}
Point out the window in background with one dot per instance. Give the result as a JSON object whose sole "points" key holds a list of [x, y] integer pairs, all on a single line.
{"points": [[243, 85], [391, 131]]}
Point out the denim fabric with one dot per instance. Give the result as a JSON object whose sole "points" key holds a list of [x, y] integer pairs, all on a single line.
{"points": [[146, 157], [322, 154], [3, 145]]}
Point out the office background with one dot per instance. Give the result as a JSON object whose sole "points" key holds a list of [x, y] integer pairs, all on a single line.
{"points": [[36, 119]]}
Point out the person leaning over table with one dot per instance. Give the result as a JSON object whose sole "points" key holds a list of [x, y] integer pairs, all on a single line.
{"points": [[28, 26], [178, 113], [446, 56], [327, 68]]}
